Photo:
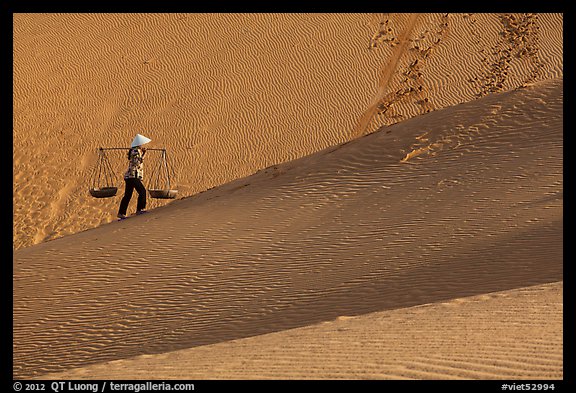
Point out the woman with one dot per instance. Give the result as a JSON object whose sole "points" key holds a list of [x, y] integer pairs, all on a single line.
{"points": [[134, 175]]}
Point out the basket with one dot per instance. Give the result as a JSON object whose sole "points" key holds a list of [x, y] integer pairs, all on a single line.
{"points": [[163, 194], [104, 192]]}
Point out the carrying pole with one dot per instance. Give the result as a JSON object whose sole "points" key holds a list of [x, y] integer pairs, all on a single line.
{"points": [[127, 148]]}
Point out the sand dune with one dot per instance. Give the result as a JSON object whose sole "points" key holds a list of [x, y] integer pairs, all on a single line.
{"points": [[432, 341], [231, 94], [459, 202]]}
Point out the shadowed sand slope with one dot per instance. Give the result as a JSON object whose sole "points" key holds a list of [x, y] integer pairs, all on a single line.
{"points": [[231, 94], [458, 202], [515, 334]]}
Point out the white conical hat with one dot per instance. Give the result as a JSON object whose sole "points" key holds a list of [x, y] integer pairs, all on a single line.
{"points": [[140, 140]]}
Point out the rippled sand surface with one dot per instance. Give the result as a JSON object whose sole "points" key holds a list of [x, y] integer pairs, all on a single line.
{"points": [[361, 196]]}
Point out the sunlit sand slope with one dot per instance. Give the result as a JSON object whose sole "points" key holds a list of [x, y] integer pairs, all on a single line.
{"points": [[230, 94]]}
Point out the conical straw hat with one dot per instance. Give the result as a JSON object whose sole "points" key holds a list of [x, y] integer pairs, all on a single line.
{"points": [[140, 140]]}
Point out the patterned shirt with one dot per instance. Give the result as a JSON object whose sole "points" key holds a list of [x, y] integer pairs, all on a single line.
{"points": [[136, 165]]}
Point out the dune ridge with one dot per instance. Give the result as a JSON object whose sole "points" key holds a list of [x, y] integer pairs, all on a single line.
{"points": [[431, 341], [363, 227]]}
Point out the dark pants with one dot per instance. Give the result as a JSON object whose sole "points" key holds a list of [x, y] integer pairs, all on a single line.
{"points": [[132, 184]]}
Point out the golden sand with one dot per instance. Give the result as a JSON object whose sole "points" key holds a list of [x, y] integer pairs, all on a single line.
{"points": [[360, 196]]}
